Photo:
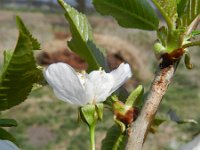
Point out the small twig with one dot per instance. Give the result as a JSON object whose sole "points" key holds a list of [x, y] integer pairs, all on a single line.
{"points": [[139, 128]]}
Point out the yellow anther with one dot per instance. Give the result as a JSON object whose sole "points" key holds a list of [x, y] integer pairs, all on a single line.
{"points": [[83, 72]]}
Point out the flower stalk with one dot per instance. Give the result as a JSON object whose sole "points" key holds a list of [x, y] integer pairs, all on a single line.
{"points": [[92, 136]]}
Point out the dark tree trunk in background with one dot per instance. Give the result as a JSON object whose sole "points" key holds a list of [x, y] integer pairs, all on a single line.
{"points": [[81, 5]]}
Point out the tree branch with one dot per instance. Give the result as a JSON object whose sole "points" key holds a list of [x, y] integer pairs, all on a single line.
{"points": [[140, 127]]}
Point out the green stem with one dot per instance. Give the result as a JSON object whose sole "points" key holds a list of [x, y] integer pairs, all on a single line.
{"points": [[167, 19], [92, 137], [197, 43]]}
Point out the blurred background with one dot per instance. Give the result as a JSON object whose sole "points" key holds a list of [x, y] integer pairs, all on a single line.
{"points": [[46, 123]]}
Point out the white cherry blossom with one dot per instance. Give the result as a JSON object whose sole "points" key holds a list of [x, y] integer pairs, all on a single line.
{"points": [[82, 88]]}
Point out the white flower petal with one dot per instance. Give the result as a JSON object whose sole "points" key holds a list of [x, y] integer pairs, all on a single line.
{"points": [[89, 89], [102, 84], [120, 75], [7, 145], [82, 78], [65, 82]]}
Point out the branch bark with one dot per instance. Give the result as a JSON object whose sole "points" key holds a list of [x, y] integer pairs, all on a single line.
{"points": [[163, 77], [139, 128]]}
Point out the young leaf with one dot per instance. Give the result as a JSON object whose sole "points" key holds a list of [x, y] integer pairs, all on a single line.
{"points": [[181, 7], [192, 34], [168, 9], [135, 97], [5, 135], [99, 110], [23, 29], [192, 10], [129, 13], [8, 123], [188, 64], [162, 35], [114, 140], [19, 70], [190, 44], [195, 33], [7, 56], [82, 41], [88, 114]]}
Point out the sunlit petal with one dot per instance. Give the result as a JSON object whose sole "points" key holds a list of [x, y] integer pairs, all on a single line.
{"points": [[7, 145], [89, 90], [120, 75], [65, 82], [82, 78], [102, 84], [83, 88]]}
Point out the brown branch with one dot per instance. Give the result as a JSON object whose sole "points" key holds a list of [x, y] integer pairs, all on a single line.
{"points": [[140, 127]]}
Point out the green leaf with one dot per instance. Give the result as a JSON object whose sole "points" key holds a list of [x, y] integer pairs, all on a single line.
{"points": [[135, 97], [191, 11], [23, 29], [187, 61], [82, 41], [162, 35], [88, 114], [19, 70], [129, 13], [195, 33], [190, 44], [7, 56], [99, 110], [181, 6], [5, 135], [168, 9], [174, 40], [114, 140], [8, 123], [187, 38], [121, 125]]}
